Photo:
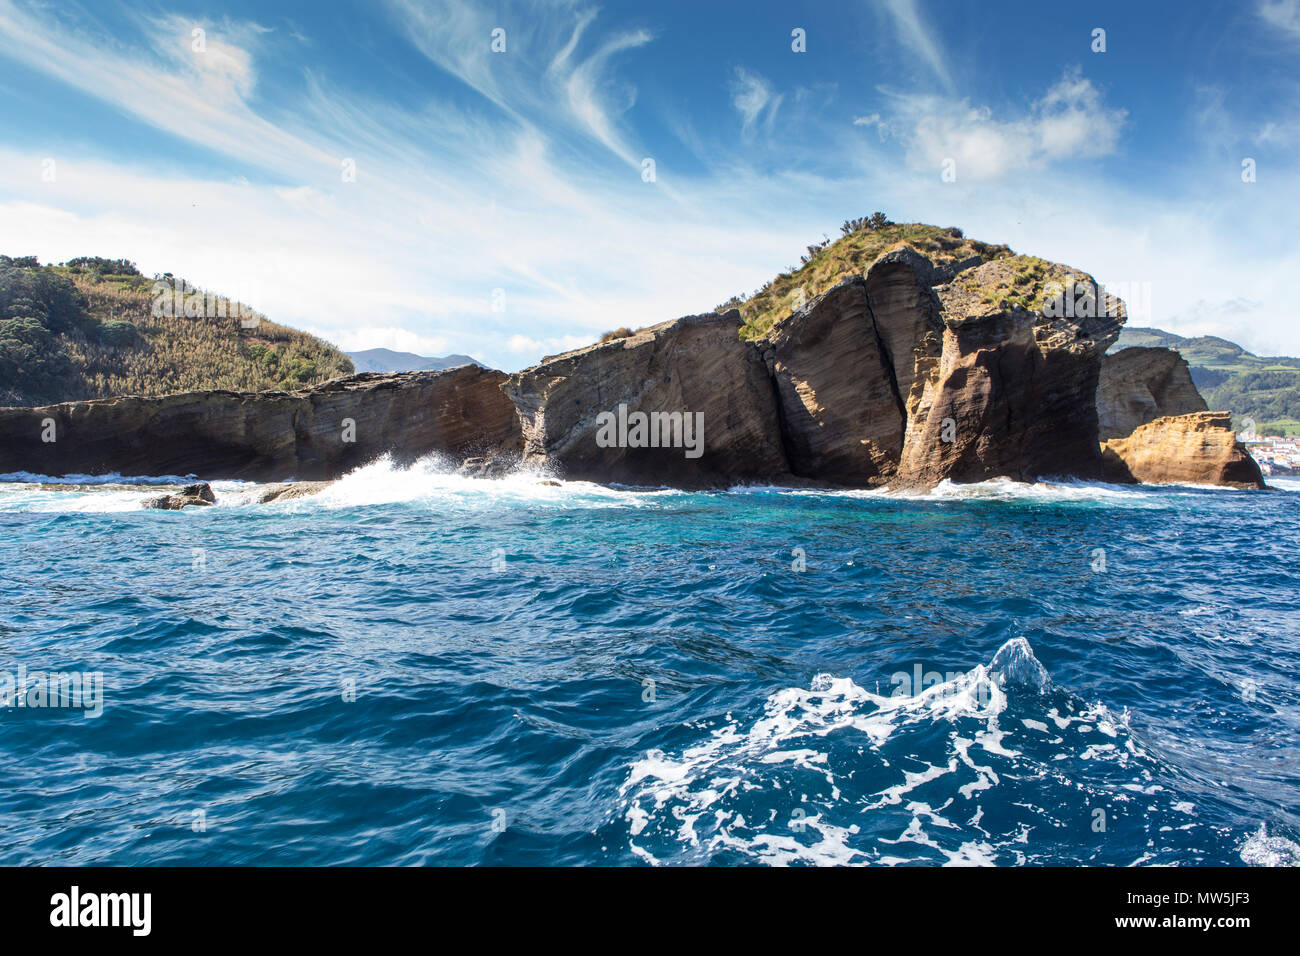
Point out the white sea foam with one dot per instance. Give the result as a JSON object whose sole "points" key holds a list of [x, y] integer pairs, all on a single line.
{"points": [[1260, 849], [431, 480], [667, 797]]}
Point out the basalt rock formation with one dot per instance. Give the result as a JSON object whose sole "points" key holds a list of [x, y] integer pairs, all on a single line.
{"points": [[578, 410], [317, 433], [846, 369], [1199, 448], [1139, 385], [1011, 390]]}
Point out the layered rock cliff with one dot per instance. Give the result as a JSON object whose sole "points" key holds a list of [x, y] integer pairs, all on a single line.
{"points": [[1199, 448], [316, 433], [907, 374], [1010, 392], [684, 403], [1139, 385]]}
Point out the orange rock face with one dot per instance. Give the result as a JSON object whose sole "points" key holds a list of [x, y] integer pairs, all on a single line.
{"points": [[1199, 448], [1139, 385]]}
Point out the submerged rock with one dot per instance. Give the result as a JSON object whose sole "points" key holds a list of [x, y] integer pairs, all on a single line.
{"points": [[1199, 448], [289, 490], [1139, 385], [197, 495]]}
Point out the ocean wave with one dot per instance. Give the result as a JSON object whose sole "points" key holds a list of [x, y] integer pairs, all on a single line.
{"points": [[433, 481], [993, 766], [1260, 849]]}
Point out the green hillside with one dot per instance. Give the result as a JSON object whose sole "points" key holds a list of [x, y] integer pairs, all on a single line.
{"points": [[96, 328], [1264, 388]]}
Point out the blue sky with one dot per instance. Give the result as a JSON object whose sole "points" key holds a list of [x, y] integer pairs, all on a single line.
{"points": [[500, 205]]}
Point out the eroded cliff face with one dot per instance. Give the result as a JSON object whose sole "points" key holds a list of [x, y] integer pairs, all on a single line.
{"points": [[1198, 448], [847, 370], [1139, 385], [907, 375], [892, 377], [317, 433], [578, 411], [840, 411], [1012, 391]]}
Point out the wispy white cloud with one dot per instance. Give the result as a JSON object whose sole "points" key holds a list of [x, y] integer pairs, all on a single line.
{"points": [[754, 99], [507, 223], [919, 38], [1283, 15]]}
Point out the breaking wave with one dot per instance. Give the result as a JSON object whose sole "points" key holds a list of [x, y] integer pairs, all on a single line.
{"points": [[993, 767]]}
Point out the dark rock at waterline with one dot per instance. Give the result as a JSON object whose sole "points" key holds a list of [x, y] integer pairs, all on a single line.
{"points": [[488, 466], [289, 490], [196, 495], [317, 433]]}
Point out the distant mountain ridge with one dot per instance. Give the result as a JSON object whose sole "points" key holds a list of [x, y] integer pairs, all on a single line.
{"points": [[386, 360], [1265, 389]]}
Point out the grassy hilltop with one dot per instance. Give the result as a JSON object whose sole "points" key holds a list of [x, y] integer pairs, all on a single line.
{"points": [[1266, 389], [862, 242], [92, 328]]}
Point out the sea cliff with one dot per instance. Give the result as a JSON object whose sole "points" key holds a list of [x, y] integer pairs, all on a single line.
{"points": [[913, 372]]}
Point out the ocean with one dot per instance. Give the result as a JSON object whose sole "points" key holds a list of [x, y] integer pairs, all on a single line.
{"points": [[420, 668]]}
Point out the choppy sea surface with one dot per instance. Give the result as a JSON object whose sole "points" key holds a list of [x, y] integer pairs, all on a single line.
{"points": [[418, 668]]}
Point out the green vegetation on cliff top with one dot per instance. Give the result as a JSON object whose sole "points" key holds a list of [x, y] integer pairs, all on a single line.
{"points": [[92, 328], [862, 242]]}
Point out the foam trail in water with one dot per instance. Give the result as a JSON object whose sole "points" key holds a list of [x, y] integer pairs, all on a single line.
{"points": [[864, 773]]}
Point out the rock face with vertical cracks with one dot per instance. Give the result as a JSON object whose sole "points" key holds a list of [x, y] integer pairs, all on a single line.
{"points": [[268, 436], [845, 369], [1012, 393], [1139, 385], [1199, 448], [693, 365]]}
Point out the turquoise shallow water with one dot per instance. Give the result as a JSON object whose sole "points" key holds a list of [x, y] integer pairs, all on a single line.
{"points": [[581, 675]]}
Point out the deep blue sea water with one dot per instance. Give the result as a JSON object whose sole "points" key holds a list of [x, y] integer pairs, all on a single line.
{"points": [[415, 668]]}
